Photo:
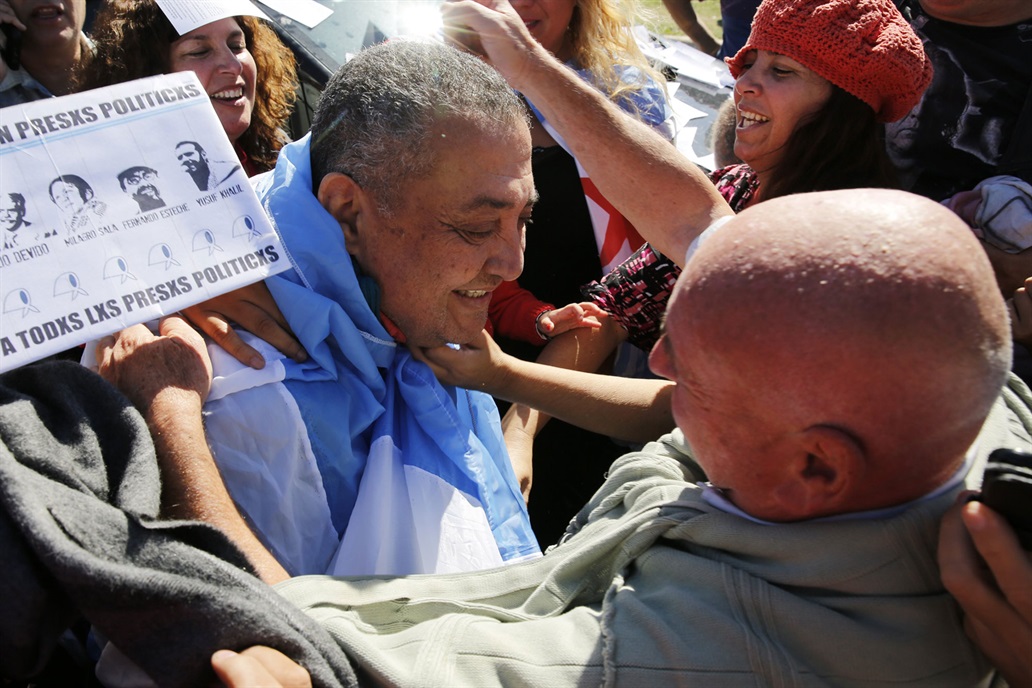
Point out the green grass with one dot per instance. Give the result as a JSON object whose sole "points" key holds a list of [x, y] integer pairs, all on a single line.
{"points": [[658, 19]]}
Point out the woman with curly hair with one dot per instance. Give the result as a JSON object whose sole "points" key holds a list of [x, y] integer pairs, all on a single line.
{"points": [[251, 79], [249, 75], [594, 37]]}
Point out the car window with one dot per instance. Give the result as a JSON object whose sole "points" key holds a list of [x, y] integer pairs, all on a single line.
{"points": [[357, 24], [354, 24]]}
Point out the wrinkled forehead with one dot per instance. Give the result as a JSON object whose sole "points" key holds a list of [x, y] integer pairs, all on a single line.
{"points": [[477, 129], [485, 155]]}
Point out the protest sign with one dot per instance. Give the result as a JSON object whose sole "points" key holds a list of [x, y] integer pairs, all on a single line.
{"points": [[117, 206]]}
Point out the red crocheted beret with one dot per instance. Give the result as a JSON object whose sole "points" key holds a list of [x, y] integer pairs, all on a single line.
{"points": [[864, 47]]}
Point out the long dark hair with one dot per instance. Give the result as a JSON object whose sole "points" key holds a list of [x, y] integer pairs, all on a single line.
{"points": [[841, 146]]}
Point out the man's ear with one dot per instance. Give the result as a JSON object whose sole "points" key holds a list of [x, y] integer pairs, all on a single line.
{"points": [[344, 199], [830, 463]]}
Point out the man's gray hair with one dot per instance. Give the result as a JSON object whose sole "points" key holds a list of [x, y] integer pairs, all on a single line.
{"points": [[377, 112]]}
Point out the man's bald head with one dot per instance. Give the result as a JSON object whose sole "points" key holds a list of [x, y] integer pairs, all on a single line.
{"points": [[866, 317]]}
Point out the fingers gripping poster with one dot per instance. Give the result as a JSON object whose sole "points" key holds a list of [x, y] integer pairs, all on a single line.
{"points": [[118, 206]]}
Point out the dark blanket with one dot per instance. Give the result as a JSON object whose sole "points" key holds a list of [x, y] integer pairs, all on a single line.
{"points": [[80, 535]]}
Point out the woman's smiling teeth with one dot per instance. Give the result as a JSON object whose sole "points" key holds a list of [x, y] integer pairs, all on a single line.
{"points": [[747, 119], [228, 94]]}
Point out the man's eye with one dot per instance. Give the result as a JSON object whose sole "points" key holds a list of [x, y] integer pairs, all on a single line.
{"points": [[781, 71], [476, 236], [472, 235]]}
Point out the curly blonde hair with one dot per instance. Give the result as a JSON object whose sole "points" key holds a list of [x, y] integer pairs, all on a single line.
{"points": [[133, 40], [601, 42]]}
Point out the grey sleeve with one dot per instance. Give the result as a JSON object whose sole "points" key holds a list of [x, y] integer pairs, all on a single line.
{"points": [[81, 536]]}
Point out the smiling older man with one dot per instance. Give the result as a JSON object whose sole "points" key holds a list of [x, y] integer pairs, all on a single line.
{"points": [[400, 213]]}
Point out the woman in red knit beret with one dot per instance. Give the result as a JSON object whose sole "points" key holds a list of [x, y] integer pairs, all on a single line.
{"points": [[814, 84]]}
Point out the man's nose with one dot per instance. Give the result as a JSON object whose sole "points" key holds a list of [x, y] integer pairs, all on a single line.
{"points": [[507, 258]]}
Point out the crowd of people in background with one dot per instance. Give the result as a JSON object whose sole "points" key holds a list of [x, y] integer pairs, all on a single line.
{"points": [[838, 325]]}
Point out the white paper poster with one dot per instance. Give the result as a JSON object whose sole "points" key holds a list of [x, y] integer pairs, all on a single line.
{"points": [[117, 206], [187, 15]]}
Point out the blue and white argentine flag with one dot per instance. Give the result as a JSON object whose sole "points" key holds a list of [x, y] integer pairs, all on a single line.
{"points": [[357, 461]]}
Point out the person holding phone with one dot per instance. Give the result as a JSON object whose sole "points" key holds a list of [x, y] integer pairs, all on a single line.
{"points": [[983, 566], [42, 43]]}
